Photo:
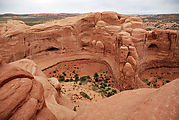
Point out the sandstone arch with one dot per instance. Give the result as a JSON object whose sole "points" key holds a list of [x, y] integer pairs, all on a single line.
{"points": [[52, 49], [152, 46]]}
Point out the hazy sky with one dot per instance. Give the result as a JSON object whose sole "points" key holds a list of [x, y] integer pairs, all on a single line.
{"points": [[83, 6]]}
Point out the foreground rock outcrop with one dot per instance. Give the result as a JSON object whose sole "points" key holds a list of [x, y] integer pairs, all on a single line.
{"points": [[29, 99], [31, 96], [140, 104], [52, 94], [21, 95]]}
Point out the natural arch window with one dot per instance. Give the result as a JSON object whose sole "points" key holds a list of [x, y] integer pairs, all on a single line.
{"points": [[52, 49], [152, 46]]}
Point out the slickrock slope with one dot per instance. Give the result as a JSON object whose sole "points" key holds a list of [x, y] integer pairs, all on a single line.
{"points": [[27, 94], [21, 95], [140, 104], [52, 90]]}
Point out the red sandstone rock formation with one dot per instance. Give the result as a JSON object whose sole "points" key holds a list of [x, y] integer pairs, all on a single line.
{"points": [[21, 95], [159, 49], [101, 35], [140, 104], [119, 41], [52, 95]]}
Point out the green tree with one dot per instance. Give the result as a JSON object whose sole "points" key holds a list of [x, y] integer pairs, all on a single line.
{"points": [[114, 91], [96, 75], [76, 78], [61, 78], [64, 73]]}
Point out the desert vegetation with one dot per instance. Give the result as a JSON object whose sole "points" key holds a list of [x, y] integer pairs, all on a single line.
{"points": [[33, 19], [162, 21], [156, 78], [90, 86]]}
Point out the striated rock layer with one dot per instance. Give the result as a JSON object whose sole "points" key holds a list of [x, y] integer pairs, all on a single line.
{"points": [[106, 36]]}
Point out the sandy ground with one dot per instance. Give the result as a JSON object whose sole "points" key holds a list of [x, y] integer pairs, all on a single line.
{"points": [[82, 68], [160, 76]]}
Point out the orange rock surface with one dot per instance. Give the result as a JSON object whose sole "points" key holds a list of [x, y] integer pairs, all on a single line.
{"points": [[133, 56]]}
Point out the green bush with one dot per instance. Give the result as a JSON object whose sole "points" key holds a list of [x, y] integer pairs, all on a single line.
{"points": [[96, 79], [102, 87], [67, 80], [61, 78], [100, 80], [74, 109], [64, 73], [105, 81], [114, 91], [76, 77], [108, 89], [109, 94], [96, 75], [148, 83], [107, 78], [167, 81], [71, 80], [83, 78], [85, 95], [168, 73]]}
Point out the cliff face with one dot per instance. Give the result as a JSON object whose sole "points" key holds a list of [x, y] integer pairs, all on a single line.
{"points": [[105, 36], [119, 40], [159, 49]]}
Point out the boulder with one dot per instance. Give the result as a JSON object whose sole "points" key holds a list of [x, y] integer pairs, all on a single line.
{"points": [[123, 53], [93, 43], [55, 83], [128, 71], [132, 61], [24, 99], [99, 45]]}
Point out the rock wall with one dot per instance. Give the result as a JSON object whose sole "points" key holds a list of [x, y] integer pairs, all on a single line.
{"points": [[120, 38], [108, 34], [158, 49]]}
